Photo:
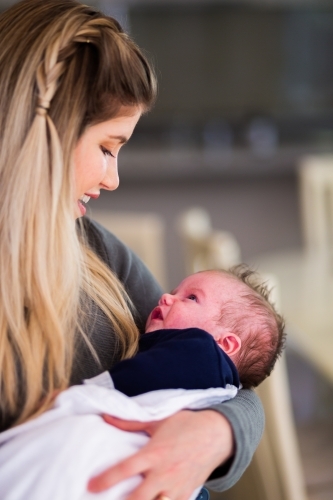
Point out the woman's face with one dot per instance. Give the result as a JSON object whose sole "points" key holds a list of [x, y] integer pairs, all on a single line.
{"points": [[96, 156]]}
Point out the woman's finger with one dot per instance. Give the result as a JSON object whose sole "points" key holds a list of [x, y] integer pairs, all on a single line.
{"points": [[156, 481], [132, 466], [153, 488], [150, 489], [131, 425]]}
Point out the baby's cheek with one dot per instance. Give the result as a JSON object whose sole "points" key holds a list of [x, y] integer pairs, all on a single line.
{"points": [[147, 323]]}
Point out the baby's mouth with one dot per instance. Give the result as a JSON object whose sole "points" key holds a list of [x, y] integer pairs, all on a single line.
{"points": [[157, 313]]}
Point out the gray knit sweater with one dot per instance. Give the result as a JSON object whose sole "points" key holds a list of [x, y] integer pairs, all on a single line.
{"points": [[244, 412]]}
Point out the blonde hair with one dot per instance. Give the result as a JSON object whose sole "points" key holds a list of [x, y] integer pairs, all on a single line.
{"points": [[63, 67]]}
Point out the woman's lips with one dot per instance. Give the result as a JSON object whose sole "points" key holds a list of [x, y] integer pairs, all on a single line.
{"points": [[82, 208], [84, 200]]}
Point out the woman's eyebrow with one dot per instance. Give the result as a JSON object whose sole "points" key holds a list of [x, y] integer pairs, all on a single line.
{"points": [[120, 138]]}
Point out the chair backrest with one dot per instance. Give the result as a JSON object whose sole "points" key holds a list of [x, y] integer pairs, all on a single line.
{"points": [[205, 247], [144, 233], [277, 459], [316, 198], [276, 471]]}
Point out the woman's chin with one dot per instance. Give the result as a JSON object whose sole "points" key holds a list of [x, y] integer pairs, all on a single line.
{"points": [[80, 210]]}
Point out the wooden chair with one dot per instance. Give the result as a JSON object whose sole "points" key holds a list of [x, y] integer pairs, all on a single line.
{"points": [[205, 247], [306, 275], [276, 471], [306, 291], [277, 460], [316, 200], [143, 232]]}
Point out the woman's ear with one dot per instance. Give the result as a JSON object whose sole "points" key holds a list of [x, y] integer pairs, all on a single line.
{"points": [[230, 343]]}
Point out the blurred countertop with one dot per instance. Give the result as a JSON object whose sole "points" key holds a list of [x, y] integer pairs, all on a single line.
{"points": [[175, 163]]}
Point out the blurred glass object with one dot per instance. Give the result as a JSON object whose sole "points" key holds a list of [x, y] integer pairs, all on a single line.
{"points": [[217, 135], [262, 136], [181, 134]]}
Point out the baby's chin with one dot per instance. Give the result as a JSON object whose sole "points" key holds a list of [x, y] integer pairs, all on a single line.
{"points": [[153, 324], [151, 328]]}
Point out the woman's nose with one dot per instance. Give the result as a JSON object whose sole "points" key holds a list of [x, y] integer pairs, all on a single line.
{"points": [[166, 299], [111, 179]]}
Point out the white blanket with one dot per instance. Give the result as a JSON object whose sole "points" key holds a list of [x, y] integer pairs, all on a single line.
{"points": [[53, 456]]}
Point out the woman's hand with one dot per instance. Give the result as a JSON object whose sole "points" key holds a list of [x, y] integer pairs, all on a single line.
{"points": [[183, 451]]}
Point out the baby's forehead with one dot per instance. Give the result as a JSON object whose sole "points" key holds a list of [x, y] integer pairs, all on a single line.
{"points": [[229, 283], [220, 276]]}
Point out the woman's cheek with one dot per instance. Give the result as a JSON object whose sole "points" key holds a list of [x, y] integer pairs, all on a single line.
{"points": [[97, 172]]}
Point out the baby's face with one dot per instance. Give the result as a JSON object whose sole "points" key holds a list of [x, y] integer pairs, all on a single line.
{"points": [[196, 302]]}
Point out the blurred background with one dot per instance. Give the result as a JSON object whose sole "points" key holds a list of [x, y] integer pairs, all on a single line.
{"points": [[245, 94]]}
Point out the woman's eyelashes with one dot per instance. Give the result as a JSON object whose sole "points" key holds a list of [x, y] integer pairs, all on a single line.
{"points": [[192, 296], [107, 152]]}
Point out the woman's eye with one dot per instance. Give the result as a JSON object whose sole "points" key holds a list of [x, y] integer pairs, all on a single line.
{"points": [[192, 297], [107, 152]]}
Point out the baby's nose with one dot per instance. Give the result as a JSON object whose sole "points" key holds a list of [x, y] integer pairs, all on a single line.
{"points": [[166, 299]]}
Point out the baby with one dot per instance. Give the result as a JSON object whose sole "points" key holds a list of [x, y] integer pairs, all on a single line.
{"points": [[216, 328]]}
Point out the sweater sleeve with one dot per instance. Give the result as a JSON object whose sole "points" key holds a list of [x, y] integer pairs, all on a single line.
{"points": [[246, 416]]}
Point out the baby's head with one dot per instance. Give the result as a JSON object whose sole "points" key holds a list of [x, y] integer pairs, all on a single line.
{"points": [[233, 307]]}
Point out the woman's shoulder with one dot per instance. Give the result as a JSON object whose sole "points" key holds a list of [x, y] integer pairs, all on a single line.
{"points": [[107, 246], [118, 256]]}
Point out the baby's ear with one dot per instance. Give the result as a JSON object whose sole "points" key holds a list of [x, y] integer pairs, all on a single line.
{"points": [[230, 343]]}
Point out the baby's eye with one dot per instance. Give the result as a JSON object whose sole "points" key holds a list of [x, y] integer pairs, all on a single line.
{"points": [[107, 152], [192, 297]]}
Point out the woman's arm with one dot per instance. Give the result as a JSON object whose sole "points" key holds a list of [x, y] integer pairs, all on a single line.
{"points": [[247, 419], [186, 447]]}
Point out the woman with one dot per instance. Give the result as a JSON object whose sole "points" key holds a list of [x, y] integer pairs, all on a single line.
{"points": [[72, 88]]}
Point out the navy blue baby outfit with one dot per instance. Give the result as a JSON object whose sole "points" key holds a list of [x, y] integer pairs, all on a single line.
{"points": [[175, 359]]}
